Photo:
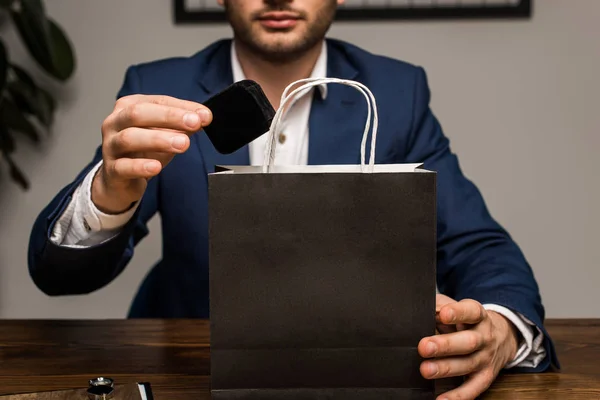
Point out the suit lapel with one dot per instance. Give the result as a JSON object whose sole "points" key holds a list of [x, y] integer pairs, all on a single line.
{"points": [[337, 122], [215, 75]]}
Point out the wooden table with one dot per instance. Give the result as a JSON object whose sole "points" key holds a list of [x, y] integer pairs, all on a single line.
{"points": [[173, 355]]}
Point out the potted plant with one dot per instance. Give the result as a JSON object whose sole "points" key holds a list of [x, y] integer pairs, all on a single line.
{"points": [[26, 108]]}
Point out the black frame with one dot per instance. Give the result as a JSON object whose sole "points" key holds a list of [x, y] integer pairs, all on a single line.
{"points": [[522, 10]]}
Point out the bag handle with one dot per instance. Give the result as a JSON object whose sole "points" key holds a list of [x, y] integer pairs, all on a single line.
{"points": [[287, 97]]}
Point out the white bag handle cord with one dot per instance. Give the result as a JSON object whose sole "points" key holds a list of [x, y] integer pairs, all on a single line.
{"points": [[308, 83]]}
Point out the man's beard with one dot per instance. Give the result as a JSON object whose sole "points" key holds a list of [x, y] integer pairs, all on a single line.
{"points": [[282, 51]]}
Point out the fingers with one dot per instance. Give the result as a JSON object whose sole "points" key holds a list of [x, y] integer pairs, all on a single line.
{"points": [[464, 312], [444, 329], [133, 168], [474, 386], [441, 300], [146, 115], [469, 351], [138, 140], [451, 344], [449, 367], [169, 101]]}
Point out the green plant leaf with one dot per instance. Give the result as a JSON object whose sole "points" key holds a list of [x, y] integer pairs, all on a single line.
{"points": [[15, 173], [44, 39], [34, 29], [48, 98], [63, 57], [36, 6], [3, 66], [29, 97], [7, 142], [35, 10], [23, 75], [47, 106], [39, 101], [22, 89], [13, 118], [24, 97], [6, 3]]}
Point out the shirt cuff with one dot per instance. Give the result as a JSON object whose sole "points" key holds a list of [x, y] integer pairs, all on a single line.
{"points": [[82, 224], [531, 351]]}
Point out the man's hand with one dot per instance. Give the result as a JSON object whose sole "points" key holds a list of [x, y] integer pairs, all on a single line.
{"points": [[473, 342], [139, 138]]}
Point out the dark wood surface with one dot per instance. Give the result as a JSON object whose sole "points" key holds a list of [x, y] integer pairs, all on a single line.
{"points": [[173, 355]]}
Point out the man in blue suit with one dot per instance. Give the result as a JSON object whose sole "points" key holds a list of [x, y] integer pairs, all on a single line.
{"points": [[154, 158]]}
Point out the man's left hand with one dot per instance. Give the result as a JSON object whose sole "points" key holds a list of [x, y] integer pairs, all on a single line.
{"points": [[473, 342]]}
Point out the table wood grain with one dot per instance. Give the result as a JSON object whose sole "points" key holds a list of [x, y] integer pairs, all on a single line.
{"points": [[173, 355]]}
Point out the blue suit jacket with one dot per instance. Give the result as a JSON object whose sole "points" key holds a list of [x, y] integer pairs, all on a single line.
{"points": [[476, 257]]}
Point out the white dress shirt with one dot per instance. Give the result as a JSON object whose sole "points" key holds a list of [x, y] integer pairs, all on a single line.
{"points": [[83, 225]]}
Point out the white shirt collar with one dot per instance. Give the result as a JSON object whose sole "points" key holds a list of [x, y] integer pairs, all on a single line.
{"points": [[319, 70]]}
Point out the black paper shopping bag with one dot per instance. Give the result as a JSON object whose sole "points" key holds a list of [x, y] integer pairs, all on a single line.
{"points": [[322, 278]]}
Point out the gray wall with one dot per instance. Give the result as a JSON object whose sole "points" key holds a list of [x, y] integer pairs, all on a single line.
{"points": [[519, 100]]}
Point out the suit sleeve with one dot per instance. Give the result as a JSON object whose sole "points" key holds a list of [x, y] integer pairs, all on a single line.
{"points": [[477, 258], [61, 270]]}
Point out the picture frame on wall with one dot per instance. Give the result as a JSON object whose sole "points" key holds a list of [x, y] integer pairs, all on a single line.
{"points": [[198, 11]]}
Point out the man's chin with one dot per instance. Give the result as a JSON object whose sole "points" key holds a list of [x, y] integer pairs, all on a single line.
{"points": [[281, 55], [279, 35], [280, 44]]}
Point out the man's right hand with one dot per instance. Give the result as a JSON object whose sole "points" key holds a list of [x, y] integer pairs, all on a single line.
{"points": [[139, 138]]}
